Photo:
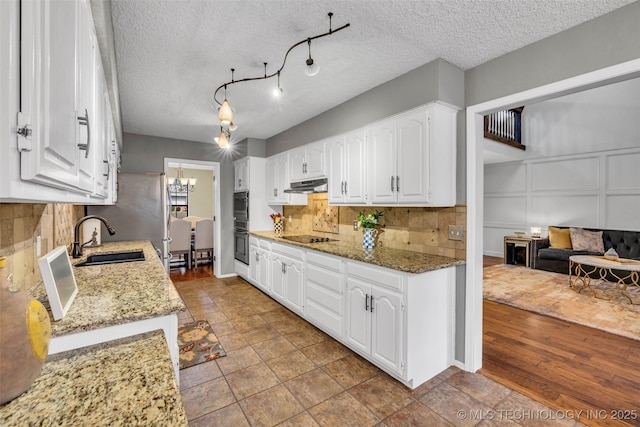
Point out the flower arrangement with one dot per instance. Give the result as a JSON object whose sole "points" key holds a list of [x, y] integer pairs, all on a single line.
{"points": [[276, 217], [370, 220]]}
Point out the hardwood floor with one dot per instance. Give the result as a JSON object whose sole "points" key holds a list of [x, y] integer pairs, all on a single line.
{"points": [[563, 365], [184, 274]]}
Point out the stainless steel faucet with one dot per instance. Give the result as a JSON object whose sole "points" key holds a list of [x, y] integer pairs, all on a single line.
{"points": [[77, 247]]}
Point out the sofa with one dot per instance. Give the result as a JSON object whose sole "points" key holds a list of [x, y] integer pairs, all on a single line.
{"points": [[545, 257]]}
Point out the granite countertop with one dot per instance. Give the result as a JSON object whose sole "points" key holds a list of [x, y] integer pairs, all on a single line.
{"points": [[114, 294], [120, 383], [395, 259]]}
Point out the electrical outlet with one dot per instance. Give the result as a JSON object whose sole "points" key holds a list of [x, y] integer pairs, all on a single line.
{"points": [[455, 232], [355, 224], [38, 246]]}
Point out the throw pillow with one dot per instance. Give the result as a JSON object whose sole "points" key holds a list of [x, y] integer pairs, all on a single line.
{"points": [[585, 240], [559, 238]]}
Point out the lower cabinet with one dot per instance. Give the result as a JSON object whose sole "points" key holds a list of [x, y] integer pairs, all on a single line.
{"points": [[401, 322], [286, 275], [374, 322]]}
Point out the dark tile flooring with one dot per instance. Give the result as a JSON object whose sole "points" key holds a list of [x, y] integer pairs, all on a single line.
{"points": [[281, 370]]}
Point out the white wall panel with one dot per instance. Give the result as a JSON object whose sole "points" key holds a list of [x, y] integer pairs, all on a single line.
{"points": [[622, 171], [577, 210], [505, 210], [494, 240], [623, 212], [507, 178], [566, 174]]}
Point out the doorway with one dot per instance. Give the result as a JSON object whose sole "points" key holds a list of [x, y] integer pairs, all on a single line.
{"points": [[202, 206], [475, 186]]}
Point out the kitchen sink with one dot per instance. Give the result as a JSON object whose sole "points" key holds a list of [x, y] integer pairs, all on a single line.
{"points": [[112, 258]]}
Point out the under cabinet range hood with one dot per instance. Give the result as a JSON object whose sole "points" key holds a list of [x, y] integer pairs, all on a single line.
{"points": [[318, 185]]}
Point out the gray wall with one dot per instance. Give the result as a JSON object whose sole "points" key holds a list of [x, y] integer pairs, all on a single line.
{"points": [[437, 80], [608, 40], [142, 153]]}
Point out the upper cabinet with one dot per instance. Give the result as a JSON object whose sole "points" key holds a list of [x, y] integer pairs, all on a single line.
{"points": [[345, 162], [59, 144], [307, 162], [412, 158], [241, 174], [278, 180]]}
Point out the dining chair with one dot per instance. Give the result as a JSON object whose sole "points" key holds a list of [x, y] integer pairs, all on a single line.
{"points": [[203, 241], [180, 234], [192, 220]]}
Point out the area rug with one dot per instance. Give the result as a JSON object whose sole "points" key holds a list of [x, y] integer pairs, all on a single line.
{"points": [[198, 344], [549, 294]]}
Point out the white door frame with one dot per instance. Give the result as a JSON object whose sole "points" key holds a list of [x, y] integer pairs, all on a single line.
{"points": [[215, 167], [475, 185]]}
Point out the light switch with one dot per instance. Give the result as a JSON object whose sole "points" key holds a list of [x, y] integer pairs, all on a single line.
{"points": [[456, 232], [38, 246]]}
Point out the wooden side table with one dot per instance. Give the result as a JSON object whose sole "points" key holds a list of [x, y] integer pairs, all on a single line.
{"points": [[517, 249]]}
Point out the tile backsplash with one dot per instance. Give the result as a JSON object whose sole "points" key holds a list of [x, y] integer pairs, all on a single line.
{"points": [[415, 229], [21, 224]]}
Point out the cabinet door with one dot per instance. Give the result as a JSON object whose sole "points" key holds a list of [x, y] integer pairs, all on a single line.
{"points": [[48, 92], [382, 162], [89, 94], [358, 324], [263, 271], [241, 173], [386, 328], [276, 269], [297, 164], [354, 167], [272, 180], [324, 302], [334, 152], [254, 265], [315, 160], [412, 178], [293, 285]]}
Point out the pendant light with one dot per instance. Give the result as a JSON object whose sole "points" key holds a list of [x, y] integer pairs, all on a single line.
{"points": [[311, 69], [225, 114]]}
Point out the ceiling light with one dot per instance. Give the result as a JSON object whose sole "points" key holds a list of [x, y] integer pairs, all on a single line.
{"points": [[311, 68], [223, 141], [180, 183], [224, 112]]}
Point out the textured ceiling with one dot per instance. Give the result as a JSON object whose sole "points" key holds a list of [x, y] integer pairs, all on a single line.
{"points": [[172, 55]]}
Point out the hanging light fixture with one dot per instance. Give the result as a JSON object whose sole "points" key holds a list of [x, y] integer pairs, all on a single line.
{"points": [[181, 184], [312, 69], [225, 113]]}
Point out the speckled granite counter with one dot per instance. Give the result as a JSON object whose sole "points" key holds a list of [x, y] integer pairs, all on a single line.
{"points": [[114, 294], [127, 382], [396, 259]]}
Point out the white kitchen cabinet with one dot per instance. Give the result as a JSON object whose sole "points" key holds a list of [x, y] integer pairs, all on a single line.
{"points": [[374, 321], [278, 180], [259, 264], [307, 162], [286, 271], [53, 156], [346, 173], [412, 158], [241, 174], [324, 293]]}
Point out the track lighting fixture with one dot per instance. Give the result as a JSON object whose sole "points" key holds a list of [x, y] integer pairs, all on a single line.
{"points": [[225, 113]]}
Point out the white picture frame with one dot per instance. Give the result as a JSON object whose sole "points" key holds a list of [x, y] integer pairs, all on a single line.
{"points": [[59, 281]]}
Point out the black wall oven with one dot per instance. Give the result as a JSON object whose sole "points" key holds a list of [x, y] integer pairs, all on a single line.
{"points": [[241, 240], [241, 205]]}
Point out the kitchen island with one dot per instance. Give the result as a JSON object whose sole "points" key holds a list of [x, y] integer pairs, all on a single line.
{"points": [[119, 300], [120, 383]]}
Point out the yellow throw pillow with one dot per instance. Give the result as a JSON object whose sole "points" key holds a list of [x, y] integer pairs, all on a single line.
{"points": [[560, 238]]}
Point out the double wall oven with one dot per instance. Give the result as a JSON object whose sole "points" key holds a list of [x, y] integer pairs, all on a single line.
{"points": [[241, 226]]}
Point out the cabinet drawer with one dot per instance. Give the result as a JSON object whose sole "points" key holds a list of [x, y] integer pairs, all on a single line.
{"points": [[329, 280], [376, 275], [325, 261], [253, 241], [288, 250]]}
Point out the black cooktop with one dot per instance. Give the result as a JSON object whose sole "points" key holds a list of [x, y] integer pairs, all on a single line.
{"points": [[304, 238]]}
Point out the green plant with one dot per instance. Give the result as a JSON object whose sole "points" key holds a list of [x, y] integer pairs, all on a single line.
{"points": [[370, 220]]}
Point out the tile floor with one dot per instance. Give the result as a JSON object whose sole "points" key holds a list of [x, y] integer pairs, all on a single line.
{"points": [[281, 370]]}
